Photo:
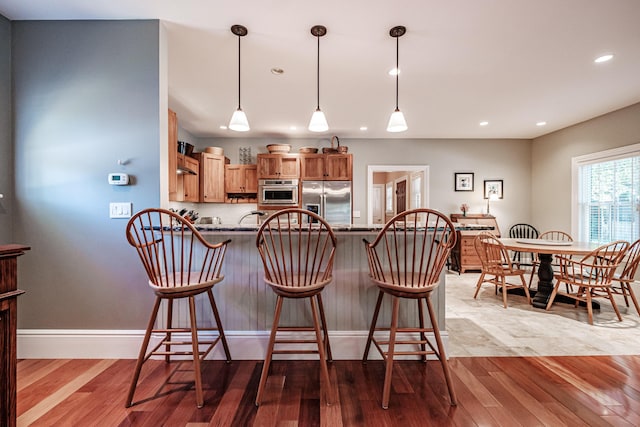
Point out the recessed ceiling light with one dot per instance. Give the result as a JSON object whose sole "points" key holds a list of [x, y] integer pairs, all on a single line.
{"points": [[292, 128], [603, 58], [223, 127], [363, 128], [541, 123], [394, 71], [277, 71], [484, 123]]}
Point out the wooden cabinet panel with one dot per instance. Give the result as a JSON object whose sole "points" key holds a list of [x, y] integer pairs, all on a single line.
{"points": [[241, 179], [312, 167], [338, 167], [173, 155], [191, 184], [211, 177], [285, 166], [464, 256], [327, 167]]}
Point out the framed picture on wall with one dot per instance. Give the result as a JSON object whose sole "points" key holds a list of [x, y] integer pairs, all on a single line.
{"points": [[463, 181], [493, 186]]}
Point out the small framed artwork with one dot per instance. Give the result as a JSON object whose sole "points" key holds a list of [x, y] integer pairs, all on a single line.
{"points": [[464, 181], [493, 186]]}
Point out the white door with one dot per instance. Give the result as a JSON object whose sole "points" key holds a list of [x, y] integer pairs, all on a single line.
{"points": [[378, 203]]}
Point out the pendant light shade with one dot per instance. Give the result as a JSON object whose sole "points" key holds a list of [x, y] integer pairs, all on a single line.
{"points": [[397, 123], [318, 122], [239, 121]]}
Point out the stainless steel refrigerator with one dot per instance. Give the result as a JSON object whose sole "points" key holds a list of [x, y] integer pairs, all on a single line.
{"points": [[329, 199]]}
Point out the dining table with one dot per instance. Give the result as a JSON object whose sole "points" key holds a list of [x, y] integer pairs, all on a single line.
{"points": [[546, 249]]}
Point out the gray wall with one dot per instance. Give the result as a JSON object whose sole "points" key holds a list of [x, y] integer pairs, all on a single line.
{"points": [[551, 160], [86, 95], [6, 148]]}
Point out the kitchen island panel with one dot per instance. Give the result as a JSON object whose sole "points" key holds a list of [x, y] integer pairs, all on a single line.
{"points": [[246, 303]]}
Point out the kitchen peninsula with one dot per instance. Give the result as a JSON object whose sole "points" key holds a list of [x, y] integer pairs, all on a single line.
{"points": [[246, 303]]}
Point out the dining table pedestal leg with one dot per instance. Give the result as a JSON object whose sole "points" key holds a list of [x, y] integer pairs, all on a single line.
{"points": [[545, 282]]}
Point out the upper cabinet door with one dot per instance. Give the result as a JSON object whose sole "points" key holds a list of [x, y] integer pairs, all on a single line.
{"points": [[338, 167], [278, 166], [312, 167], [212, 176], [173, 156]]}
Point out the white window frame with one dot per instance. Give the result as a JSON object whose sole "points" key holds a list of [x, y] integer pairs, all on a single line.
{"points": [[599, 157]]}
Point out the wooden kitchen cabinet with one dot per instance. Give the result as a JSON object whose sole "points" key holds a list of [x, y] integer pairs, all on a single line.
{"points": [[211, 177], [241, 179], [173, 156], [464, 256], [190, 188], [276, 166], [326, 167]]}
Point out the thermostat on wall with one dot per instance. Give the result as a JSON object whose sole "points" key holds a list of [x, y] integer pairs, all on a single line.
{"points": [[118, 178]]}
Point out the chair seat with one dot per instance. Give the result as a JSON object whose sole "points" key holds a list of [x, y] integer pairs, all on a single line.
{"points": [[296, 287], [177, 283], [406, 286]]}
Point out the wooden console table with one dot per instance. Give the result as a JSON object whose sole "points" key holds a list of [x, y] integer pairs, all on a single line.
{"points": [[463, 255], [8, 319]]}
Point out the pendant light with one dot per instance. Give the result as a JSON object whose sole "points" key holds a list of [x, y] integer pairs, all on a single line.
{"points": [[239, 120], [397, 123], [318, 122]]}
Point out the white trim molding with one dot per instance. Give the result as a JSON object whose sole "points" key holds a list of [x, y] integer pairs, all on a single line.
{"points": [[125, 344]]}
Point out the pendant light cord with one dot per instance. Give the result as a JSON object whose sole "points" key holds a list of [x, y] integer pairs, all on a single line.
{"points": [[239, 73], [397, 68], [318, 74]]}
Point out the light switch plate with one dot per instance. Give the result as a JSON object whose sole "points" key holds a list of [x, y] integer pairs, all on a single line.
{"points": [[120, 210]]}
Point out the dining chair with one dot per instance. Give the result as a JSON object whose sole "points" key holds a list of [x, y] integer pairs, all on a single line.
{"points": [[297, 248], [405, 261], [523, 231], [555, 235], [180, 264], [497, 268], [592, 276], [623, 281]]}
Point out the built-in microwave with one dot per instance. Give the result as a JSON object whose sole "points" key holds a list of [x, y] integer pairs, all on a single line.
{"points": [[278, 192]]}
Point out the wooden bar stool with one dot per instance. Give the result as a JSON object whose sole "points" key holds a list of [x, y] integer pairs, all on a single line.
{"points": [[179, 263], [405, 261], [297, 249]]}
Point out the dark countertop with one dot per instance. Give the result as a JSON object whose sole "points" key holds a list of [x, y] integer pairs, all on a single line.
{"points": [[354, 228]]}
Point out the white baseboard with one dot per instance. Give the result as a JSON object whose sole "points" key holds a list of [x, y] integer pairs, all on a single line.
{"points": [[125, 344]]}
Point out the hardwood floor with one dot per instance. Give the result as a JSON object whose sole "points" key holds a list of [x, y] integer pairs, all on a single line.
{"points": [[492, 391]]}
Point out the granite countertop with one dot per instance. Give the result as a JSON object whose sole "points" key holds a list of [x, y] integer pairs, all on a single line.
{"points": [[367, 228]]}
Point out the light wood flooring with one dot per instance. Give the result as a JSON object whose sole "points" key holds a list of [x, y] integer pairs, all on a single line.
{"points": [[492, 391]]}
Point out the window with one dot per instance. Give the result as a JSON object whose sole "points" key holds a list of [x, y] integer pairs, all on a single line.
{"points": [[416, 190], [608, 195]]}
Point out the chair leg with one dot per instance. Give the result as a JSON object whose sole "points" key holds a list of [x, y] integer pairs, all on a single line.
{"points": [[533, 272], [503, 280], [167, 357], [386, 391], [323, 319], [629, 289], [267, 359], [142, 355], [553, 296], [216, 315], [526, 289], [196, 352], [320, 342], [589, 306], [441, 353], [374, 321], [613, 303], [423, 337], [479, 284]]}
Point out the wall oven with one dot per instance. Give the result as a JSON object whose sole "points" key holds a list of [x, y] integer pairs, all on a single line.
{"points": [[278, 192]]}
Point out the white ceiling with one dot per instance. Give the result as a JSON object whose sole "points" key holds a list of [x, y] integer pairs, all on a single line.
{"points": [[509, 62]]}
